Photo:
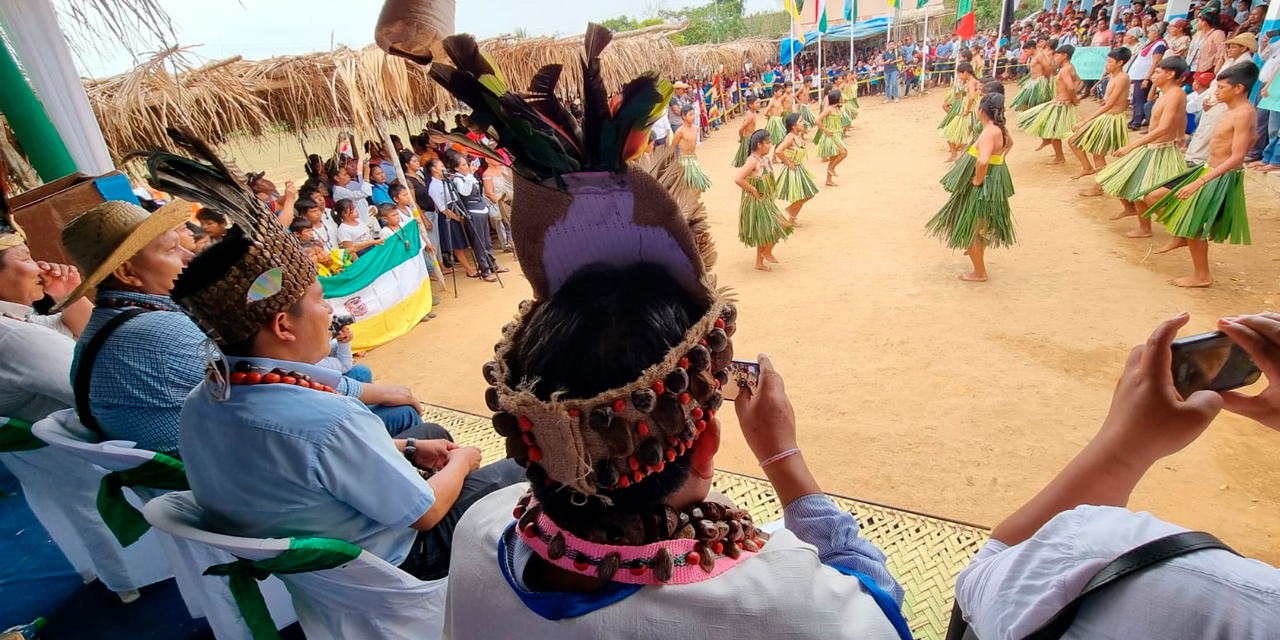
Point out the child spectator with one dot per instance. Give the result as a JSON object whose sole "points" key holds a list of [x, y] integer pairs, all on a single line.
{"points": [[301, 227], [214, 224], [389, 217], [352, 235], [329, 263]]}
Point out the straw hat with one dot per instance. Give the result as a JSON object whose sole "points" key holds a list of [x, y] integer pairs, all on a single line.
{"points": [[104, 237], [1246, 40], [680, 85]]}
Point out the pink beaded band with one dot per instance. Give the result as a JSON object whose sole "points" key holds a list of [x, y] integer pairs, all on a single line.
{"points": [[772, 459]]}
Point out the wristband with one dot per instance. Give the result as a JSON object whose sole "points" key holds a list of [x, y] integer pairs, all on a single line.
{"points": [[410, 448], [772, 459]]}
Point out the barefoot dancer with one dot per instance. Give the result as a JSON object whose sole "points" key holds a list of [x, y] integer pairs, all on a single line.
{"points": [[686, 143], [795, 183], [760, 224], [977, 213], [830, 147], [1037, 89], [1053, 121], [849, 94], [745, 131], [1207, 202], [1153, 159], [1105, 130], [803, 98], [773, 116], [959, 126]]}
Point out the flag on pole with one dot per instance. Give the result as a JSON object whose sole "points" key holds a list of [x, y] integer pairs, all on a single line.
{"points": [[921, 3], [851, 10], [893, 4], [797, 31], [965, 19], [819, 14]]}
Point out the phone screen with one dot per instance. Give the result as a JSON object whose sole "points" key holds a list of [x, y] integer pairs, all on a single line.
{"points": [[1211, 361], [743, 374]]}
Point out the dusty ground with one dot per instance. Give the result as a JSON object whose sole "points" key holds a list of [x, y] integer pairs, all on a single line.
{"points": [[915, 389]]}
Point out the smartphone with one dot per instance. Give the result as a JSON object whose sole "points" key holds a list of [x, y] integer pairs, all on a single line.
{"points": [[743, 374], [1211, 361]]}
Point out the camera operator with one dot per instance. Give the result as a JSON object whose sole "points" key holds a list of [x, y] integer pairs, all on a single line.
{"points": [[470, 197], [1042, 557]]}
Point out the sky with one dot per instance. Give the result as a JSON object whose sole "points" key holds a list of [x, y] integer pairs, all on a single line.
{"points": [[259, 29]]}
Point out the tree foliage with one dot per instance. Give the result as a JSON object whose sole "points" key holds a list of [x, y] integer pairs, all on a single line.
{"points": [[624, 23], [717, 21]]}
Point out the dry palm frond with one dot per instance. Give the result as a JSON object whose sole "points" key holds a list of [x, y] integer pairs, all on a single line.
{"points": [[706, 60]]}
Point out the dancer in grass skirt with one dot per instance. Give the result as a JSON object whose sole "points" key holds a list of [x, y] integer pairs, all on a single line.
{"points": [[773, 116], [685, 142], [1154, 158], [1206, 203], [795, 183], [830, 146], [1105, 130], [1036, 86], [849, 92], [977, 213], [744, 132], [1055, 121], [961, 122], [803, 99], [760, 224]]}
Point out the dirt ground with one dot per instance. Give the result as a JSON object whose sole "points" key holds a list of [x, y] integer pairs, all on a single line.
{"points": [[911, 387]]}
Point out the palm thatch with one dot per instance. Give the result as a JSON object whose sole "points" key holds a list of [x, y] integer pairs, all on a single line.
{"points": [[706, 60]]}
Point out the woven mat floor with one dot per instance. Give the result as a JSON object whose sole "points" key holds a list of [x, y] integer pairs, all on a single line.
{"points": [[926, 553]]}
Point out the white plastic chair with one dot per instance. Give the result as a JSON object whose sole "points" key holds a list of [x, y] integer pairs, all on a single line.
{"points": [[366, 598], [62, 493], [205, 596]]}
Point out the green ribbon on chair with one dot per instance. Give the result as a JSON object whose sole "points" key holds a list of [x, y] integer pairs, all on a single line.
{"points": [[15, 435], [125, 521], [304, 556]]}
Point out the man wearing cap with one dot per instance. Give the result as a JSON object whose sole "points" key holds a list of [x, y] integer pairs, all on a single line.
{"points": [[132, 372], [272, 451]]}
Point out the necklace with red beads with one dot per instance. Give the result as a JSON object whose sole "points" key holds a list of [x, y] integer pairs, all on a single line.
{"points": [[244, 373], [116, 303]]}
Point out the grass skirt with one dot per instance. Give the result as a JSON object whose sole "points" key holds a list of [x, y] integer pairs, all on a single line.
{"points": [[829, 146], [1104, 135], [777, 130], [1049, 121], [1215, 212], [693, 174], [972, 209], [1142, 171], [1033, 93], [744, 150], [954, 106], [796, 184], [806, 114], [850, 110], [759, 221], [961, 129]]}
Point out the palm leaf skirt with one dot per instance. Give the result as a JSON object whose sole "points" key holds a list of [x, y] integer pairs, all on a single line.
{"points": [[953, 110], [1215, 212], [1104, 135], [1033, 93], [1142, 171], [1049, 121], [850, 109], [796, 184], [972, 210], [759, 221], [744, 150], [806, 114], [693, 174], [777, 130], [828, 146], [852, 98], [961, 129], [834, 122]]}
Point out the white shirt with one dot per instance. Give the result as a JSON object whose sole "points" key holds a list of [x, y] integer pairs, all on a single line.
{"points": [[327, 231], [35, 363], [353, 233], [1009, 592], [438, 195], [661, 129]]}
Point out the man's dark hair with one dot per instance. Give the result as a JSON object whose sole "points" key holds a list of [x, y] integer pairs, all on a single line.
{"points": [[453, 159], [685, 110], [1066, 50], [1244, 74], [395, 190], [1028, 45], [303, 205], [299, 224], [1053, 44], [386, 209], [1175, 64], [1120, 54], [209, 215]]}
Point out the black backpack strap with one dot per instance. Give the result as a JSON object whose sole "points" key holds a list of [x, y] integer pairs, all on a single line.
{"points": [[1132, 561], [85, 371]]}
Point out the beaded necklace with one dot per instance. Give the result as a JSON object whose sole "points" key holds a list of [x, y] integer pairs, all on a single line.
{"points": [[116, 303], [247, 374]]}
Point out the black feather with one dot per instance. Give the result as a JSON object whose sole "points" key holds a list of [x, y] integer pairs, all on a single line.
{"points": [[595, 98]]}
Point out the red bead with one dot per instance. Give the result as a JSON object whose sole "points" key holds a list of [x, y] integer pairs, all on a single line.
{"points": [[625, 482], [642, 429], [684, 398], [660, 467], [518, 512], [252, 378], [692, 558], [672, 440], [270, 378], [237, 378], [619, 405], [637, 476], [740, 545], [711, 414], [718, 548], [696, 413], [527, 438], [684, 363], [717, 383], [637, 571], [633, 462], [719, 323], [580, 564], [680, 448], [703, 342], [304, 384], [659, 387], [671, 455], [701, 425], [760, 543], [288, 380], [327, 388], [574, 413], [531, 531], [524, 423], [535, 454]]}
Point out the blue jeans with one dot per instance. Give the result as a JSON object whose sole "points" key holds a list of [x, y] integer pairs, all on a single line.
{"points": [[1271, 155], [396, 419], [891, 85], [360, 373]]}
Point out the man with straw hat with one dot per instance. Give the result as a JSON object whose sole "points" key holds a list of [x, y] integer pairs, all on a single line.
{"points": [[272, 450]]}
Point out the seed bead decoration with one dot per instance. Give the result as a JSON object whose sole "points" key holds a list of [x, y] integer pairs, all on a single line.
{"points": [[246, 374]]}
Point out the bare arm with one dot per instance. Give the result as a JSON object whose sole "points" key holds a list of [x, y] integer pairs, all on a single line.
{"points": [[1242, 132], [786, 143], [1155, 62], [76, 315], [748, 168], [446, 484], [986, 146], [359, 246], [488, 189]]}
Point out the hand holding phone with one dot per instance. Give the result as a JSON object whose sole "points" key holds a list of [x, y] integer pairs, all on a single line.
{"points": [[1211, 362], [1259, 336], [743, 374]]}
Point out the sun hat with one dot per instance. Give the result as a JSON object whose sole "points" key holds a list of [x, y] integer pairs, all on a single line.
{"points": [[1246, 40], [1135, 32], [106, 236], [679, 85]]}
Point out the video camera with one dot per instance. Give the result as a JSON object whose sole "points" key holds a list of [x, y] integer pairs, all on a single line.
{"points": [[339, 322]]}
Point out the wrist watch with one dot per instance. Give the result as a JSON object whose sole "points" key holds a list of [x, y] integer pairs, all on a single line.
{"points": [[410, 448]]}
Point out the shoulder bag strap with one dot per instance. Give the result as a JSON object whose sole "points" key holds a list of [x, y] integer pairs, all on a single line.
{"points": [[85, 371], [1132, 561]]}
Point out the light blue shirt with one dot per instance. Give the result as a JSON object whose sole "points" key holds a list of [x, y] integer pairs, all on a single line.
{"points": [[279, 460]]}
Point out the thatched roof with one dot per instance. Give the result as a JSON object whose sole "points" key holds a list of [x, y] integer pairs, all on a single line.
{"points": [[343, 88], [705, 60]]}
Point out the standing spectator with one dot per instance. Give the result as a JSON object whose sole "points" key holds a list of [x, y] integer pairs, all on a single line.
{"points": [[1207, 49], [1270, 138], [679, 99], [1103, 36], [471, 197], [908, 53], [1140, 70], [1240, 49], [1178, 40], [889, 61]]}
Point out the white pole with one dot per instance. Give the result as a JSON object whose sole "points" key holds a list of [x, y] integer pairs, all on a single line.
{"points": [[819, 67], [793, 47], [924, 51]]}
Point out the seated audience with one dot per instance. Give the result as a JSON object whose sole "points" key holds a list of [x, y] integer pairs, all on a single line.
{"points": [[1041, 557], [301, 228], [352, 234], [329, 262], [391, 219], [323, 228], [214, 224], [378, 180]]}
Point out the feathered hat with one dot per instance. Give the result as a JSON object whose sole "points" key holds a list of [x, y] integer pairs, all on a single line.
{"points": [[578, 202], [257, 271]]}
